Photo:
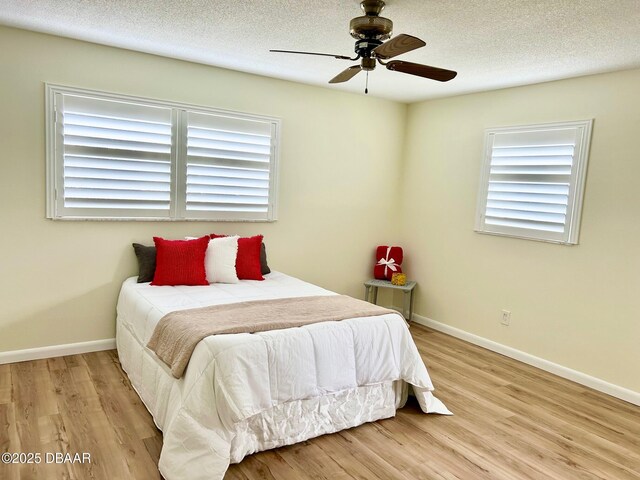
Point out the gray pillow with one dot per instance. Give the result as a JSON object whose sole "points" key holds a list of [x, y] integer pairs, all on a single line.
{"points": [[146, 262], [263, 260]]}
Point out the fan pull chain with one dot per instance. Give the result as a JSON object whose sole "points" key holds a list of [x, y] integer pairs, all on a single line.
{"points": [[366, 87]]}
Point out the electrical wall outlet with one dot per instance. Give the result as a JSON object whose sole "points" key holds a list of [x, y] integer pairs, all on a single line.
{"points": [[506, 318]]}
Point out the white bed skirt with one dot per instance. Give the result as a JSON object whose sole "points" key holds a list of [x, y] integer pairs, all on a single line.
{"points": [[285, 424]]}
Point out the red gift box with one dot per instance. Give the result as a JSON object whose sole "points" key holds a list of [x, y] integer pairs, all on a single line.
{"points": [[388, 260]]}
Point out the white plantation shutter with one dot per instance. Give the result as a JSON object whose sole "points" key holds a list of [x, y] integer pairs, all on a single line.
{"points": [[532, 182], [229, 163], [116, 157]]}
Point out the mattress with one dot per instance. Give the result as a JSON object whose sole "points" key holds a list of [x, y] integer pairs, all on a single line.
{"points": [[243, 393]]}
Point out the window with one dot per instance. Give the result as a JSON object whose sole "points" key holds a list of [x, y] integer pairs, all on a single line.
{"points": [[119, 157], [533, 181]]}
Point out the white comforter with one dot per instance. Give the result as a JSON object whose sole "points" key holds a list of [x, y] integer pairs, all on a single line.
{"points": [[243, 393]]}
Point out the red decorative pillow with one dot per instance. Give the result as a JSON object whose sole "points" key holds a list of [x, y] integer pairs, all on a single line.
{"points": [[388, 260], [180, 262], [248, 260]]}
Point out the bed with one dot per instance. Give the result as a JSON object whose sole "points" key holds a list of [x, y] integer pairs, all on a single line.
{"points": [[243, 393]]}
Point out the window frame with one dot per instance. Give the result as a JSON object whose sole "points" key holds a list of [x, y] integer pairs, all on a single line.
{"points": [[576, 185], [54, 158]]}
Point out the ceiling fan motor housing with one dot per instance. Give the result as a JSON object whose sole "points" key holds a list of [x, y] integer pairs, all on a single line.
{"points": [[365, 47], [371, 25]]}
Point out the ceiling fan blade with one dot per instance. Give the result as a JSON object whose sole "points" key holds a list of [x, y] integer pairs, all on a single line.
{"points": [[339, 57], [398, 45], [347, 74], [434, 73]]}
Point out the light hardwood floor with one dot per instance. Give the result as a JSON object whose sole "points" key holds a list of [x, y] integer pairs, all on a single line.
{"points": [[511, 422]]}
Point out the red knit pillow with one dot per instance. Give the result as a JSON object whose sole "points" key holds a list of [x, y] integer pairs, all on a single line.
{"points": [[180, 262], [248, 259]]}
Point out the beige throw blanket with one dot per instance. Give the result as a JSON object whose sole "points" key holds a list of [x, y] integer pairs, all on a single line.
{"points": [[177, 333]]}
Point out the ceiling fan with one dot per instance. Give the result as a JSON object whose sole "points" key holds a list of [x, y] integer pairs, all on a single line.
{"points": [[370, 31]]}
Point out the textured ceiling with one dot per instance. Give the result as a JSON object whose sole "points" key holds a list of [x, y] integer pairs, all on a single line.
{"points": [[492, 44]]}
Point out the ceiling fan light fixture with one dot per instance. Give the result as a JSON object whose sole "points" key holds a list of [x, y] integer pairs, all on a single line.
{"points": [[368, 64]]}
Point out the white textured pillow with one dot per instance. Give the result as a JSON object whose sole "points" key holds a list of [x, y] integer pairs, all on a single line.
{"points": [[220, 260]]}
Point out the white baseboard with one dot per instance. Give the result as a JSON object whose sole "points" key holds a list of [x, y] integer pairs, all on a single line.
{"points": [[564, 372], [57, 350]]}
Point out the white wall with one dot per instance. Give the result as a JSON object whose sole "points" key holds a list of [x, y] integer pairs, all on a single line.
{"points": [[578, 306], [60, 280]]}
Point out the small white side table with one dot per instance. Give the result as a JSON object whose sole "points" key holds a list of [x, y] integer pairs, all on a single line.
{"points": [[371, 294]]}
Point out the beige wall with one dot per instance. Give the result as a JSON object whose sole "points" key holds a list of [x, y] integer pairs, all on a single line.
{"points": [[578, 306], [60, 280]]}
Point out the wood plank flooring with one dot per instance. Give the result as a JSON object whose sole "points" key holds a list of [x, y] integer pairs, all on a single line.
{"points": [[511, 421]]}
